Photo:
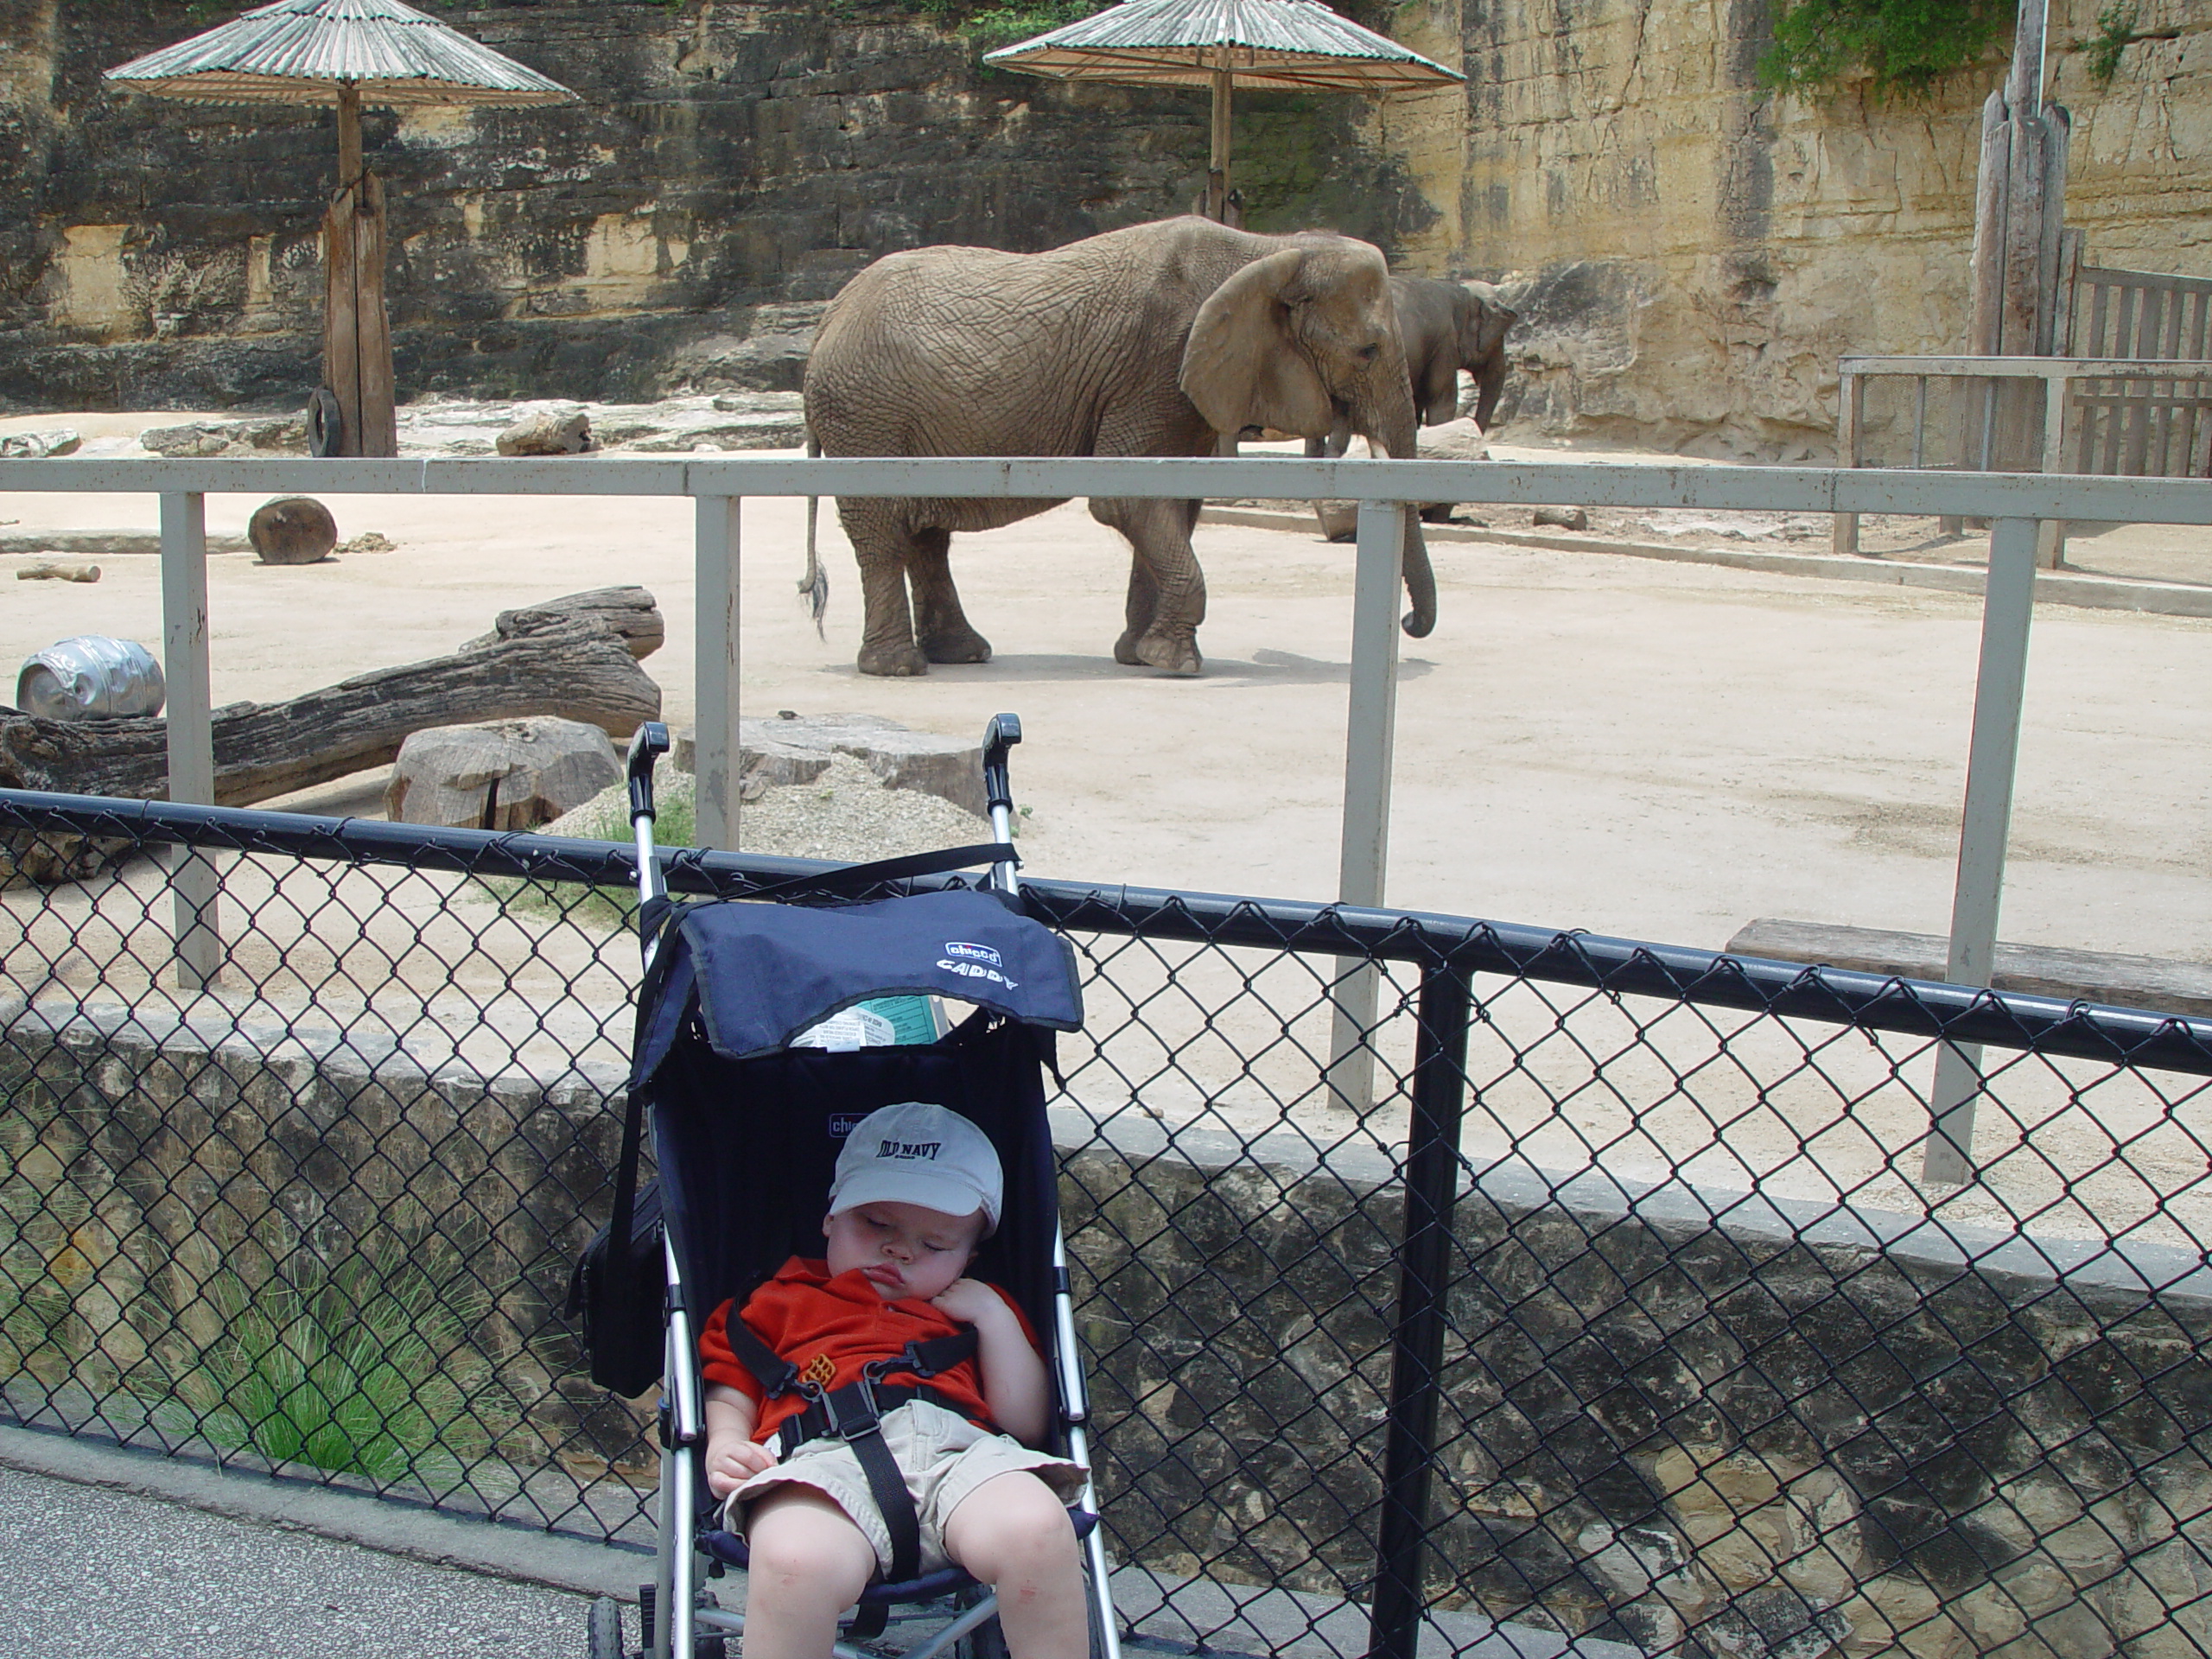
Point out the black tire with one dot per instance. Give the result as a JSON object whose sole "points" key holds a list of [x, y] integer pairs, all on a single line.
{"points": [[325, 424], [708, 1644], [986, 1640], [605, 1641]]}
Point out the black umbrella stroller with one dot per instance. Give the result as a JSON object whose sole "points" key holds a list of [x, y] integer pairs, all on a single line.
{"points": [[749, 1092]]}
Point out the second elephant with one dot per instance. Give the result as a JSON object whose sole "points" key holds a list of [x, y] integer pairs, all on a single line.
{"points": [[1444, 327], [1448, 326]]}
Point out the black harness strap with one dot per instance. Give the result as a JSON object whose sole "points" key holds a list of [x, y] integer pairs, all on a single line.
{"points": [[854, 1414]]}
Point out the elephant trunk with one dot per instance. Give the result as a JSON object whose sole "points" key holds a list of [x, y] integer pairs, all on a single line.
{"points": [[1392, 430]]}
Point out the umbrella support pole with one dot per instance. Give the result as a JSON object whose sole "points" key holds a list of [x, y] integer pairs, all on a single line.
{"points": [[356, 331], [1218, 168]]}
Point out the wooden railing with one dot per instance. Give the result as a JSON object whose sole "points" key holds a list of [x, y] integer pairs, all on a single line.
{"points": [[2143, 428], [2100, 406]]}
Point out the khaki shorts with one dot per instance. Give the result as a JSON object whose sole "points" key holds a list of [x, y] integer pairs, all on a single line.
{"points": [[943, 1455]]}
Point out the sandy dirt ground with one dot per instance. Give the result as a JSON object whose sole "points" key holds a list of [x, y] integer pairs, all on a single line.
{"points": [[1656, 750]]}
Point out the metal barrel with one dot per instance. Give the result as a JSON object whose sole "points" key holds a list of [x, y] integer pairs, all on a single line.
{"points": [[90, 677]]}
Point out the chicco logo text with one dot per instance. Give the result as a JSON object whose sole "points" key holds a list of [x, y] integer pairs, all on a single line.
{"points": [[973, 952]]}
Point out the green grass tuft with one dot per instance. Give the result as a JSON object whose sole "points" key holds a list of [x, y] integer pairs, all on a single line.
{"points": [[363, 1370]]}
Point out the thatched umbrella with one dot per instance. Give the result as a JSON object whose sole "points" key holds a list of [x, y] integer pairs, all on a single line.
{"points": [[1297, 46], [345, 53]]}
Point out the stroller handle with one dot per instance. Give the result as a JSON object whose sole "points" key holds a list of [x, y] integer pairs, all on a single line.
{"points": [[647, 744], [1002, 734]]}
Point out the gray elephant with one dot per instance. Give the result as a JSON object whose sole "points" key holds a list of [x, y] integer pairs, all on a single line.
{"points": [[1447, 326], [1158, 339], [1444, 327]]}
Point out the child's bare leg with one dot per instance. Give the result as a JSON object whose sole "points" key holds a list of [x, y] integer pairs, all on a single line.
{"points": [[1015, 1535], [809, 1563]]}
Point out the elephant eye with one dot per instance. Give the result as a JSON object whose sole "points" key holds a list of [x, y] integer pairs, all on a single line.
{"points": [[1368, 354]]}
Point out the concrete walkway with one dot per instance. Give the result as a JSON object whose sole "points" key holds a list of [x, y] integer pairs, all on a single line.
{"points": [[131, 1557]]}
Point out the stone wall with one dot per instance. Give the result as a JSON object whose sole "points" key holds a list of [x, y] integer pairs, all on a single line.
{"points": [[1692, 252], [730, 166], [1783, 1433]]}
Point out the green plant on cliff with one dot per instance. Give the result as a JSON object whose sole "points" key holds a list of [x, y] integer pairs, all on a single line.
{"points": [[986, 28], [1904, 47], [362, 1369], [2116, 32]]}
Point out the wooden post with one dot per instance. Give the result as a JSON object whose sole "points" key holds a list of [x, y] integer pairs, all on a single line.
{"points": [[1843, 539], [1218, 167], [341, 338], [356, 331], [379, 415], [1987, 273]]}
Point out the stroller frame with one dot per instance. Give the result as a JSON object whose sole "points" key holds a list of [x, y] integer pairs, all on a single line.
{"points": [[679, 1622]]}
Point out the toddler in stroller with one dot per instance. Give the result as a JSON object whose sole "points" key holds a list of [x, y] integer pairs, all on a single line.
{"points": [[777, 1413], [917, 1189]]}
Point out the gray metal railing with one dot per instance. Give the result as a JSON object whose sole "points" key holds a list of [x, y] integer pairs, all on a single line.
{"points": [[2019, 505]]}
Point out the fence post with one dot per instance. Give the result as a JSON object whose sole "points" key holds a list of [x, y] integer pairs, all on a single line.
{"points": [[1371, 726], [1993, 755], [189, 728], [1430, 1187], [714, 655], [1851, 416]]}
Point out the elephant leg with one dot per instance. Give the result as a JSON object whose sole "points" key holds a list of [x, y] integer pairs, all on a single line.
{"points": [[1167, 591], [879, 544], [940, 626], [1143, 606]]}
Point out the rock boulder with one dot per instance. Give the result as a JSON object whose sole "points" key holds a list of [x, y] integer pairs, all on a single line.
{"points": [[499, 774], [550, 429], [796, 750]]}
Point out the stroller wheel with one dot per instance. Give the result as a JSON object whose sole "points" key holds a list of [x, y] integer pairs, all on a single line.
{"points": [[986, 1640], [703, 1644], [605, 1641]]}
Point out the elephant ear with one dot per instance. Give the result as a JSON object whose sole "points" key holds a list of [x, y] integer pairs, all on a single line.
{"points": [[1491, 319], [1242, 366]]}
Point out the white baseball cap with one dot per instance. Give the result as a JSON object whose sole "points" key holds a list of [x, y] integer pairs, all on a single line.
{"points": [[915, 1153]]}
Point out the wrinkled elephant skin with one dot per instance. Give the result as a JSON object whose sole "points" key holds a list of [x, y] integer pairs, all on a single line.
{"points": [[1157, 340]]}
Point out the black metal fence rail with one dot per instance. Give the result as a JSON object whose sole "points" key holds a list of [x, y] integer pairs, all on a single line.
{"points": [[1614, 1313]]}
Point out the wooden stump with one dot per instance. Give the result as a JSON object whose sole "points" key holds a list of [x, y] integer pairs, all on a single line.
{"points": [[292, 530]]}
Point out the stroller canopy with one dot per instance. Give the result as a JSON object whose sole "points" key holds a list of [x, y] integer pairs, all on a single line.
{"points": [[762, 974]]}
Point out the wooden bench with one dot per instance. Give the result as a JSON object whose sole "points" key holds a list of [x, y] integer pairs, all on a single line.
{"points": [[2157, 984], [2127, 394]]}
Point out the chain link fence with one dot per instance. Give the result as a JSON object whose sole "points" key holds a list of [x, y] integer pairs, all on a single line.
{"points": [[1595, 1304]]}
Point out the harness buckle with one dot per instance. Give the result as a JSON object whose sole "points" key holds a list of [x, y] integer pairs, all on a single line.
{"points": [[846, 1423]]}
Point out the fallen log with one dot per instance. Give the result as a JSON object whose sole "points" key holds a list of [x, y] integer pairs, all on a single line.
{"points": [[578, 670], [630, 612]]}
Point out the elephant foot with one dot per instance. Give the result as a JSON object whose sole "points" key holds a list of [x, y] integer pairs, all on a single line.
{"points": [[1161, 650], [1125, 650], [893, 662], [965, 646]]}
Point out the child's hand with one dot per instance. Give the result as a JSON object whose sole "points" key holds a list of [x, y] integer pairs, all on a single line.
{"points": [[969, 1300], [731, 1462]]}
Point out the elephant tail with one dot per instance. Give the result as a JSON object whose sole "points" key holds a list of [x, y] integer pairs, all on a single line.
{"points": [[814, 586]]}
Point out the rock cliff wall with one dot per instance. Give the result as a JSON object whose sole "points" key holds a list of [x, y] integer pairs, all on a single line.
{"points": [[1692, 252]]}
